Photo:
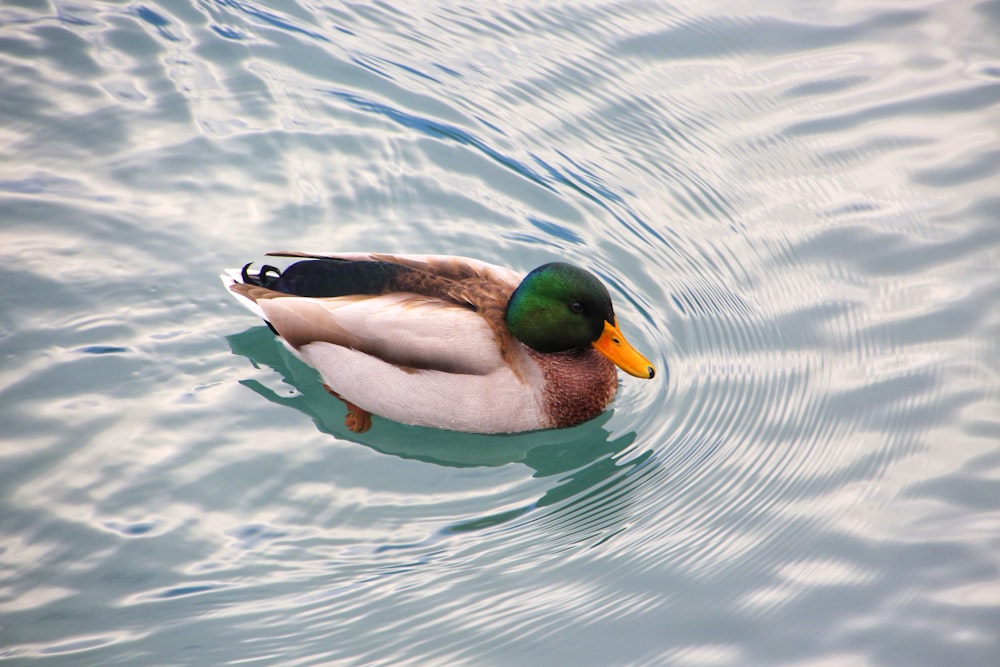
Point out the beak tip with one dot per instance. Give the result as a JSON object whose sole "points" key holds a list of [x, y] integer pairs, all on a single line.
{"points": [[651, 372]]}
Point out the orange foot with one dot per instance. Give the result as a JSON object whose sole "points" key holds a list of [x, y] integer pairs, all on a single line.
{"points": [[358, 419]]}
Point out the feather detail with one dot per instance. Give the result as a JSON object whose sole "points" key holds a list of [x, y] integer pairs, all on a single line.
{"points": [[405, 330], [445, 266], [474, 284]]}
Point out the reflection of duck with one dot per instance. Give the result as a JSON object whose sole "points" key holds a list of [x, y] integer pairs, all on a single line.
{"points": [[447, 342], [582, 461]]}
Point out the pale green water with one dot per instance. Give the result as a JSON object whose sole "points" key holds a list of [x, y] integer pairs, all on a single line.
{"points": [[796, 208]]}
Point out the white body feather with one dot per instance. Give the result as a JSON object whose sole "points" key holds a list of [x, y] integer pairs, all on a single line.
{"points": [[415, 337]]}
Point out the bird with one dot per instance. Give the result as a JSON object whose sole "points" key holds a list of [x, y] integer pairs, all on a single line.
{"points": [[444, 341]]}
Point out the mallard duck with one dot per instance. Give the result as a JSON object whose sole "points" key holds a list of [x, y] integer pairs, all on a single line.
{"points": [[446, 342]]}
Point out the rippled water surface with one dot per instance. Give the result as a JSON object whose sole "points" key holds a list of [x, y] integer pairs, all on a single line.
{"points": [[795, 205]]}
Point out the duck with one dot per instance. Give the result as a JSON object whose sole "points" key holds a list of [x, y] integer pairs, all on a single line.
{"points": [[444, 341]]}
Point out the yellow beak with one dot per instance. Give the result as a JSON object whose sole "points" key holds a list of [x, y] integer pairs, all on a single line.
{"points": [[612, 344]]}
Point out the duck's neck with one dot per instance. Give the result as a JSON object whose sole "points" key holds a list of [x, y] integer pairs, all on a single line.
{"points": [[579, 384]]}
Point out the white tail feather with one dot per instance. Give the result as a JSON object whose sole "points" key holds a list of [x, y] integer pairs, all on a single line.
{"points": [[231, 277]]}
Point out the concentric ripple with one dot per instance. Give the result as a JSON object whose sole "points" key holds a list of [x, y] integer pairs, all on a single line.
{"points": [[793, 207]]}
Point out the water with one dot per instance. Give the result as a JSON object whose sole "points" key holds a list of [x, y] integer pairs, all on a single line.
{"points": [[794, 204]]}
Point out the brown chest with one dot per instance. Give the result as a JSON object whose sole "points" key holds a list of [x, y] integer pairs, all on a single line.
{"points": [[578, 385]]}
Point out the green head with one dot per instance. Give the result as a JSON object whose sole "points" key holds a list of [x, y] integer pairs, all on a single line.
{"points": [[559, 307]]}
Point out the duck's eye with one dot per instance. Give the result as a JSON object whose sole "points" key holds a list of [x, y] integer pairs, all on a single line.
{"points": [[576, 307]]}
